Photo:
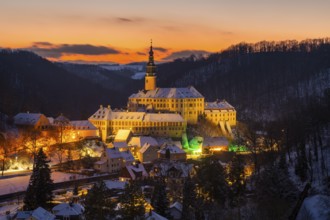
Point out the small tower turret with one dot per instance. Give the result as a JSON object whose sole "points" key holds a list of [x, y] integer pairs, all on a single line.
{"points": [[150, 79]]}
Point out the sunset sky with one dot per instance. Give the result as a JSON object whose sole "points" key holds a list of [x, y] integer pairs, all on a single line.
{"points": [[120, 30]]}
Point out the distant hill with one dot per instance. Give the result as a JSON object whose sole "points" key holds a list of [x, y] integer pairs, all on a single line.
{"points": [[263, 81], [29, 82]]}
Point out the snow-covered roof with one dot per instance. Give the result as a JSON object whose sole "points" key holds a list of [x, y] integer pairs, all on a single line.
{"points": [[178, 143], [215, 141], [42, 214], [23, 214], [51, 120], [122, 135], [315, 207], [61, 119], [100, 162], [145, 148], [218, 105], [172, 148], [113, 153], [187, 92], [164, 166], [142, 140], [27, 118], [68, 209], [120, 144], [107, 114], [111, 184], [83, 125], [127, 156], [177, 205], [154, 216], [37, 214], [133, 170]]}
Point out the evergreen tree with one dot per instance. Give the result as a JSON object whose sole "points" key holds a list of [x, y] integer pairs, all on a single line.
{"points": [[39, 191], [236, 181], [189, 199], [159, 200], [69, 163], [97, 206], [75, 190], [168, 154], [301, 167], [132, 202], [211, 180], [275, 192]]}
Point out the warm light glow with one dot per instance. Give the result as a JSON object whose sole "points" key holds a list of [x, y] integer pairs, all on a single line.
{"points": [[174, 26]]}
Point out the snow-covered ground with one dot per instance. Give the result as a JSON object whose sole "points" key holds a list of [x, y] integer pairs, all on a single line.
{"points": [[20, 183], [315, 207], [10, 207], [138, 75]]}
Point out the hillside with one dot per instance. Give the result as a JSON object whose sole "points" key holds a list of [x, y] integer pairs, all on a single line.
{"points": [[263, 80], [31, 83]]}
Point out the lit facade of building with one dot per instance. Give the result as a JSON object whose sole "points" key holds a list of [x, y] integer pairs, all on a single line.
{"points": [[218, 111], [109, 122], [188, 102], [162, 111]]}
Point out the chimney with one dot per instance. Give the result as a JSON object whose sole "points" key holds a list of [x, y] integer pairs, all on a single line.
{"points": [[101, 106], [109, 107]]}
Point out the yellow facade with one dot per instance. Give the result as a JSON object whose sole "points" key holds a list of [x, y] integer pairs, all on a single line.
{"points": [[163, 111], [215, 116], [188, 102], [220, 111], [150, 82], [109, 122]]}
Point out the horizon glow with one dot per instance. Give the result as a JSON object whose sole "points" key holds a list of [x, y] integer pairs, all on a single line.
{"points": [[127, 26]]}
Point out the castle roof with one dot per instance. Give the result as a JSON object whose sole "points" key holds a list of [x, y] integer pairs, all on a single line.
{"points": [[83, 125], [108, 114], [218, 105], [174, 93], [27, 118]]}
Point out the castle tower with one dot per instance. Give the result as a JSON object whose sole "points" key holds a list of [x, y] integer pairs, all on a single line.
{"points": [[150, 79]]}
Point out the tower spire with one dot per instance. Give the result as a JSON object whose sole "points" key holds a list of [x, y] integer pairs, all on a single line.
{"points": [[151, 55], [150, 78]]}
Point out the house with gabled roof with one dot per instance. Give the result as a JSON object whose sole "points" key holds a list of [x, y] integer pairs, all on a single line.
{"points": [[31, 121], [133, 172]]}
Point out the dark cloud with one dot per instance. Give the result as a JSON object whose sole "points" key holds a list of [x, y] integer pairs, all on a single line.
{"points": [[185, 53], [124, 20], [40, 44], [160, 49], [140, 53], [57, 50]]}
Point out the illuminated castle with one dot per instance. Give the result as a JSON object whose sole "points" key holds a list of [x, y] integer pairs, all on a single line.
{"points": [[163, 111]]}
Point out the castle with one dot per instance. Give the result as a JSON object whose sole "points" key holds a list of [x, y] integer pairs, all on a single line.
{"points": [[163, 111]]}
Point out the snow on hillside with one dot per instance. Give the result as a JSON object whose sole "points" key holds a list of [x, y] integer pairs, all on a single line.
{"points": [[134, 67], [315, 207], [20, 183], [138, 75]]}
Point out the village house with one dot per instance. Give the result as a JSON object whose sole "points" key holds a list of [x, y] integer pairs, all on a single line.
{"points": [[133, 172], [171, 152]]}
